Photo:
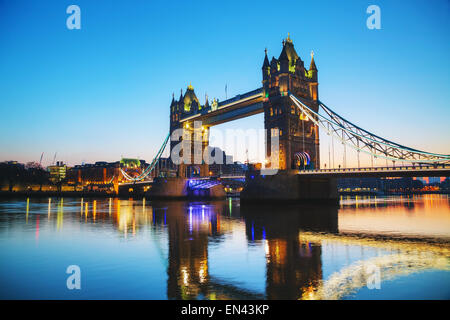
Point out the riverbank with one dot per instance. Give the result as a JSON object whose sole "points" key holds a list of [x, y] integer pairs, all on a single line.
{"points": [[48, 194], [136, 195]]}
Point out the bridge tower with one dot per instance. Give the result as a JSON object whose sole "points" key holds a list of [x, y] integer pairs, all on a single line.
{"points": [[195, 137], [299, 136]]}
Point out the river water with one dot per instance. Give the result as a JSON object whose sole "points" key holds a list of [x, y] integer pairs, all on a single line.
{"points": [[363, 248]]}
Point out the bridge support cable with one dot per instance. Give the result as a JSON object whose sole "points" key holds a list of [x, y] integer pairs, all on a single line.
{"points": [[329, 156], [332, 149], [364, 141], [152, 165]]}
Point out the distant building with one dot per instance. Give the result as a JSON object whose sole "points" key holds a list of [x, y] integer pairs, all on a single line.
{"points": [[226, 165], [235, 169], [130, 163], [105, 173], [361, 183], [57, 172], [100, 172]]}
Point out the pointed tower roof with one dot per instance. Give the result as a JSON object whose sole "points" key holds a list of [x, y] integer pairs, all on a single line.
{"points": [[283, 55], [312, 66], [266, 60], [190, 97], [288, 52], [206, 101]]}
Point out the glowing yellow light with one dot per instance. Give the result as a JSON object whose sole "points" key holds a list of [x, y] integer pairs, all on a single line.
{"points": [[28, 207], [185, 276], [266, 247]]}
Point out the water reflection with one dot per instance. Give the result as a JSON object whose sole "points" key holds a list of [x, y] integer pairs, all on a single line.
{"points": [[291, 263], [308, 252], [398, 258], [424, 216]]}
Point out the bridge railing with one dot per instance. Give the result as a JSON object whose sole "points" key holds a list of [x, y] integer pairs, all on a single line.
{"points": [[396, 168], [231, 176], [241, 96]]}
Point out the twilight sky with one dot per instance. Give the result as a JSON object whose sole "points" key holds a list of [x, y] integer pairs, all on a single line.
{"points": [[103, 92]]}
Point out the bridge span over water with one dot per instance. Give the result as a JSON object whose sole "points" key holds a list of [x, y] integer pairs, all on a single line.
{"points": [[380, 172], [293, 115]]}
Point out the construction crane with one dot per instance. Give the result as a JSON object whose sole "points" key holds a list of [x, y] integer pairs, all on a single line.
{"points": [[40, 160]]}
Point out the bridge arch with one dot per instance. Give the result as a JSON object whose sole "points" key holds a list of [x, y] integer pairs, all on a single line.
{"points": [[302, 160], [193, 171]]}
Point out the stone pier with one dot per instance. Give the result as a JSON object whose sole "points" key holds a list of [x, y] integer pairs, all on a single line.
{"points": [[178, 188], [286, 187]]}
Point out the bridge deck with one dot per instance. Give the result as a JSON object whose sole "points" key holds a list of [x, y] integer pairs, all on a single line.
{"points": [[375, 172], [241, 106], [379, 172]]}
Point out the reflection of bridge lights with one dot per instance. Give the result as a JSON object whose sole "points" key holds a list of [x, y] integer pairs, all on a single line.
{"points": [[28, 208], [185, 276], [60, 214], [190, 219], [94, 209], [202, 272], [350, 279], [253, 232], [405, 257], [199, 216], [201, 275]]}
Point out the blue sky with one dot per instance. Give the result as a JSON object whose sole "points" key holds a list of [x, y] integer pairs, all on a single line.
{"points": [[104, 91]]}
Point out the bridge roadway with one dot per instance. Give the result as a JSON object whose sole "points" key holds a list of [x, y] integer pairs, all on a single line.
{"points": [[144, 182], [240, 106], [442, 170]]}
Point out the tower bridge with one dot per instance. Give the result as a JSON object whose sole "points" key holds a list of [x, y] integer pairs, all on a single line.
{"points": [[293, 115]]}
